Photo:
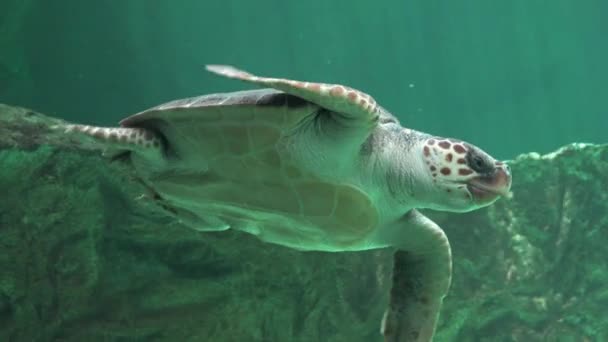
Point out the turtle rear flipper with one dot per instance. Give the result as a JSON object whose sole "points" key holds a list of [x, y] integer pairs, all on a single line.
{"points": [[114, 140]]}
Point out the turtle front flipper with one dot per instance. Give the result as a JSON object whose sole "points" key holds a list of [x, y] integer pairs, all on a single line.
{"points": [[421, 278], [356, 107]]}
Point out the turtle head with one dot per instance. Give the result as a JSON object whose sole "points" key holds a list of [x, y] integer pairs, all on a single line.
{"points": [[461, 177]]}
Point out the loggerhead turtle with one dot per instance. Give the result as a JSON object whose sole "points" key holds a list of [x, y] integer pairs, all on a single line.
{"points": [[312, 166]]}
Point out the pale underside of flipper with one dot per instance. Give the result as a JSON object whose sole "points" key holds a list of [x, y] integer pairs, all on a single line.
{"points": [[413, 310], [357, 106], [421, 278]]}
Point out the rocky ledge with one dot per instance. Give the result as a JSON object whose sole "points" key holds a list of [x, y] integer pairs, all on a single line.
{"points": [[85, 258]]}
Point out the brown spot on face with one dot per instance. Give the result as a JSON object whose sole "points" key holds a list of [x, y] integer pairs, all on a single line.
{"points": [[426, 151], [464, 172], [133, 135], [461, 161], [431, 142], [448, 157], [445, 171], [433, 168], [459, 149], [113, 136], [434, 175], [445, 144], [363, 102]]}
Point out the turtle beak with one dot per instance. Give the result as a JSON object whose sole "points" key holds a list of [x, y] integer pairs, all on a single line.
{"points": [[487, 188]]}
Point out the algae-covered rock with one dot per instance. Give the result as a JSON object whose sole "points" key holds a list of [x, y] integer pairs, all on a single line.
{"points": [[86, 257], [531, 268]]}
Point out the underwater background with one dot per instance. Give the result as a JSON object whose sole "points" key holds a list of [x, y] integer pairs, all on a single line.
{"points": [[81, 260], [510, 77]]}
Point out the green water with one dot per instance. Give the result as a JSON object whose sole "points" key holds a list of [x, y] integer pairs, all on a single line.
{"points": [[511, 77], [85, 257]]}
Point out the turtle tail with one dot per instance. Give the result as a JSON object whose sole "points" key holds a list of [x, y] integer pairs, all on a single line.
{"points": [[114, 140]]}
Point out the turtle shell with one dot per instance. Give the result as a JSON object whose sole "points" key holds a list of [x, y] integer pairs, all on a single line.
{"points": [[238, 157]]}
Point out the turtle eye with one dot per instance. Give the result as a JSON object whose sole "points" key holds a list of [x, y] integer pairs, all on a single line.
{"points": [[479, 163]]}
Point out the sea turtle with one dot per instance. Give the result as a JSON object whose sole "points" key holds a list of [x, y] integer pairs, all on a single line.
{"points": [[312, 166]]}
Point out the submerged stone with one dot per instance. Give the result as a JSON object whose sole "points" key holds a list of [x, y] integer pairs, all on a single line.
{"points": [[85, 258]]}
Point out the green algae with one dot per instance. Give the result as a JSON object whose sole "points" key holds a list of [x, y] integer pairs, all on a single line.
{"points": [[84, 257]]}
